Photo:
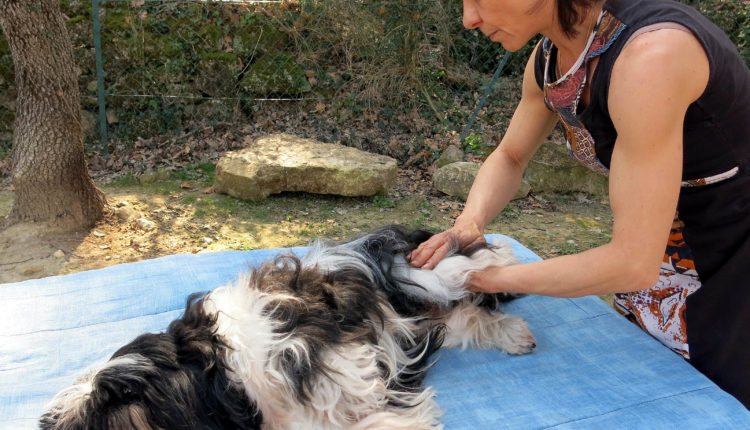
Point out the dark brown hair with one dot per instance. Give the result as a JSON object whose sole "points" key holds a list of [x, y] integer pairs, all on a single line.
{"points": [[572, 12]]}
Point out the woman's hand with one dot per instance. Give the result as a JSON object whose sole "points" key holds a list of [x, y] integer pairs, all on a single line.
{"points": [[430, 252]]}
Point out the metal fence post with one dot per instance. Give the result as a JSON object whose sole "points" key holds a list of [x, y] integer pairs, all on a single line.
{"points": [[483, 100], [100, 77]]}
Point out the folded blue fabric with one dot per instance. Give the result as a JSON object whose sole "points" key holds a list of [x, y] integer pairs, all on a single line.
{"points": [[591, 368]]}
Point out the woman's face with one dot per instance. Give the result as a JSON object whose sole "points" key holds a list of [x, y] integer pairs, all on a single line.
{"points": [[510, 22]]}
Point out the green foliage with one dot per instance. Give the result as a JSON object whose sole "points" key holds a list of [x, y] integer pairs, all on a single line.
{"points": [[169, 64], [382, 202], [172, 63], [473, 144], [732, 16], [510, 212], [202, 172], [127, 180]]}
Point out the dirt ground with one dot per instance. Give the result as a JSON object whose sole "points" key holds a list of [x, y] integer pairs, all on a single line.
{"points": [[178, 212]]}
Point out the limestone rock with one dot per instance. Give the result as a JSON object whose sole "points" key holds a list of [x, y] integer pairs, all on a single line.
{"points": [[455, 179], [145, 224], [451, 154], [126, 214], [215, 73], [31, 271], [283, 162], [552, 169]]}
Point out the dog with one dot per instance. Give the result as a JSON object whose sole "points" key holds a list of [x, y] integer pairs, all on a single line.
{"points": [[338, 339]]}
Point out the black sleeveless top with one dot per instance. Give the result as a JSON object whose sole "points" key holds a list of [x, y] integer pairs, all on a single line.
{"points": [[714, 215]]}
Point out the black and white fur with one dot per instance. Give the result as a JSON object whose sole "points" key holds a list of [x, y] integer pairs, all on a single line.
{"points": [[339, 339]]}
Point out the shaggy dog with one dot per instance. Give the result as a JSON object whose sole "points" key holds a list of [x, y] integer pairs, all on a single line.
{"points": [[338, 339]]}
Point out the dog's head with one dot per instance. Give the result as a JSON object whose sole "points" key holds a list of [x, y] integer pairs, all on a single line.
{"points": [[172, 380]]}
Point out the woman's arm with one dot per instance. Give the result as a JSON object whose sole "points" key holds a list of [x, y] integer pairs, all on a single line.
{"points": [[500, 175], [657, 76]]}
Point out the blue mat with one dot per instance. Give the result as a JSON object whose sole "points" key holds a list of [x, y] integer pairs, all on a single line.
{"points": [[591, 368]]}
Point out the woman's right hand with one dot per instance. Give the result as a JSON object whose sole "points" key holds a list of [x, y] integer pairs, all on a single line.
{"points": [[499, 177], [429, 253]]}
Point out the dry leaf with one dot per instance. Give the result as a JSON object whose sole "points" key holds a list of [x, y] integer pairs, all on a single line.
{"points": [[319, 107]]}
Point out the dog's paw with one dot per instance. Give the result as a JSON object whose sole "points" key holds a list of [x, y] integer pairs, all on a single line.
{"points": [[516, 337]]}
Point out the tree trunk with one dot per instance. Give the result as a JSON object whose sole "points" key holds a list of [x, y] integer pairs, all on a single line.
{"points": [[51, 180]]}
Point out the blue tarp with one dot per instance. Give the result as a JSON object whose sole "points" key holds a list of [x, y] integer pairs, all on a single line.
{"points": [[591, 368]]}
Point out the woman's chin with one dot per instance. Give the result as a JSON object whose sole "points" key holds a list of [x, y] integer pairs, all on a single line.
{"points": [[508, 42]]}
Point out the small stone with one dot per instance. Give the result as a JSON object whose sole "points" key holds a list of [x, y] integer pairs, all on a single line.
{"points": [[30, 270], [153, 176], [59, 254], [145, 224], [125, 213], [207, 240], [98, 233]]}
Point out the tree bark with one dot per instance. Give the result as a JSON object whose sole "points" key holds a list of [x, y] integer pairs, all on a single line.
{"points": [[49, 173]]}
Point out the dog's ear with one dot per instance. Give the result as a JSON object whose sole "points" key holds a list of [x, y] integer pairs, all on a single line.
{"points": [[416, 237], [114, 387], [231, 407]]}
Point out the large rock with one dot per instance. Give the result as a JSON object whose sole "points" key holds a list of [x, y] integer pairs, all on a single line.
{"points": [[284, 162], [552, 169], [455, 179], [452, 154]]}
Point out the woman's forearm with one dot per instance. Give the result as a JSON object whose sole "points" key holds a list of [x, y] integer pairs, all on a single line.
{"points": [[496, 183], [601, 270]]}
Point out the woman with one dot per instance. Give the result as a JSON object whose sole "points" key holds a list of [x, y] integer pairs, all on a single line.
{"points": [[652, 94]]}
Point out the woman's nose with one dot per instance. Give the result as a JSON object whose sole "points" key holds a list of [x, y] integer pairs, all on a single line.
{"points": [[471, 19]]}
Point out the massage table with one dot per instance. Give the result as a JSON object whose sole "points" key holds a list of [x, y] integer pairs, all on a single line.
{"points": [[591, 369]]}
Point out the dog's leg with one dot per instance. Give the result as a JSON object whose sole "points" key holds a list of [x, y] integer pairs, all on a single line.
{"points": [[423, 417], [447, 282], [471, 325]]}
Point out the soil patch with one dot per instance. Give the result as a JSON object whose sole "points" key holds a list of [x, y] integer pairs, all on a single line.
{"points": [[185, 216]]}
